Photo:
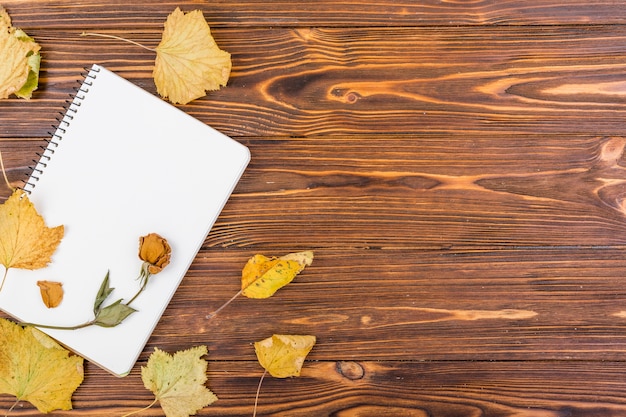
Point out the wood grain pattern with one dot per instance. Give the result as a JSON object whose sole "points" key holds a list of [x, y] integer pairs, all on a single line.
{"points": [[458, 168], [419, 191], [319, 81], [302, 13], [447, 389]]}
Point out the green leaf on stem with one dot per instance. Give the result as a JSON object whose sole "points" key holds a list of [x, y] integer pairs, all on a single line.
{"points": [[112, 315], [104, 291]]}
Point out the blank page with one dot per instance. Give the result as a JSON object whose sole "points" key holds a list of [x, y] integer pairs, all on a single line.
{"points": [[127, 164]]}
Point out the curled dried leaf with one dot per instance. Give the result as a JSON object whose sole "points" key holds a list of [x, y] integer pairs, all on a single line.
{"points": [[19, 67], [262, 276], [51, 293]]}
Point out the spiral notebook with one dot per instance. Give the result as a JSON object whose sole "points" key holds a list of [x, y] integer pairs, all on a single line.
{"points": [[123, 163]]}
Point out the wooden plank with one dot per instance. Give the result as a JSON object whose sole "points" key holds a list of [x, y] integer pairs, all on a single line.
{"points": [[363, 388], [348, 13], [357, 81], [543, 304], [420, 192], [429, 191]]}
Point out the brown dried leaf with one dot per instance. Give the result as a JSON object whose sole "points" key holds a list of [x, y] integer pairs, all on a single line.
{"points": [[51, 293]]}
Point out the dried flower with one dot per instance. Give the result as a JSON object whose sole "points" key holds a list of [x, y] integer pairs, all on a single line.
{"points": [[155, 252]]}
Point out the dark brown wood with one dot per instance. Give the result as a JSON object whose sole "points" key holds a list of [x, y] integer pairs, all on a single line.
{"points": [[363, 81], [419, 191], [336, 388], [302, 13], [457, 167]]}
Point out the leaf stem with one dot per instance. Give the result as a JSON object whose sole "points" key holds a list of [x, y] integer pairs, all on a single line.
{"points": [[143, 409], [17, 400], [4, 174], [213, 314], [4, 277], [103, 35], [258, 391]]}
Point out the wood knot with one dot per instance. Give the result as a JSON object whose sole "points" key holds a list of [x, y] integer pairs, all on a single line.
{"points": [[613, 149], [344, 95], [350, 370]]}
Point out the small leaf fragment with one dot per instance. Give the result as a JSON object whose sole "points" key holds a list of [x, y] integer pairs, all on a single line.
{"points": [[283, 355], [188, 61], [19, 67], [51, 293], [177, 381], [35, 368], [262, 276]]}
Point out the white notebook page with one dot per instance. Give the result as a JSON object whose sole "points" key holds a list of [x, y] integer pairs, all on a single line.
{"points": [[127, 164]]}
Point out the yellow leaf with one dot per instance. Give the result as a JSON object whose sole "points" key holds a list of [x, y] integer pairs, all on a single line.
{"points": [[177, 381], [51, 293], [283, 355], [262, 276], [36, 369], [188, 61], [25, 241], [19, 66]]}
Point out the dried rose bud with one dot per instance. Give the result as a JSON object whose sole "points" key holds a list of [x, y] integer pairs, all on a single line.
{"points": [[155, 251]]}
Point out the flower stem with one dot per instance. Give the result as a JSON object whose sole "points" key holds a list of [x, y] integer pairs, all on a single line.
{"points": [[144, 276], [102, 35], [49, 326]]}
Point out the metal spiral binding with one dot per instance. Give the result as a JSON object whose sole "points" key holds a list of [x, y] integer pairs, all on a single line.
{"points": [[71, 108]]}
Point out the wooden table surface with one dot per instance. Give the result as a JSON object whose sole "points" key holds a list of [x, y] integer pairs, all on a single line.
{"points": [[457, 167]]}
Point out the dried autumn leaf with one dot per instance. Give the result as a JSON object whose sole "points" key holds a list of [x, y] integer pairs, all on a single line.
{"points": [[51, 293], [262, 276], [177, 381], [19, 67], [283, 355], [188, 61], [25, 241], [34, 368]]}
